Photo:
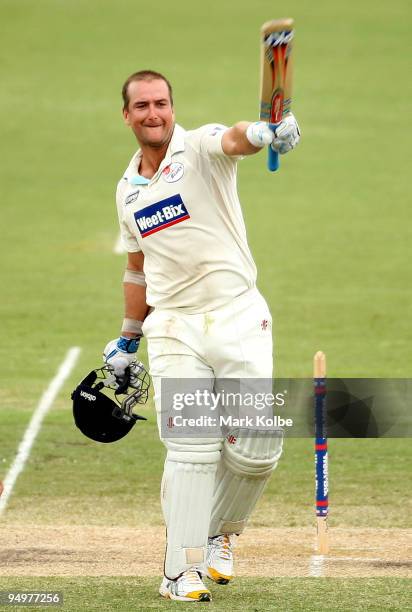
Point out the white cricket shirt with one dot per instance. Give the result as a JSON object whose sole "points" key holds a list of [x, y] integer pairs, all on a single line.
{"points": [[188, 223]]}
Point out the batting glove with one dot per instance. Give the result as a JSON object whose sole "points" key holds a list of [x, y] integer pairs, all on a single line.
{"points": [[286, 135], [120, 353]]}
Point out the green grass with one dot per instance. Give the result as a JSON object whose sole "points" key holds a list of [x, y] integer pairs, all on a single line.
{"points": [[253, 595], [330, 233], [368, 480]]}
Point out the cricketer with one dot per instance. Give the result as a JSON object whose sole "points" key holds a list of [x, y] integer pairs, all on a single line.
{"points": [[190, 289]]}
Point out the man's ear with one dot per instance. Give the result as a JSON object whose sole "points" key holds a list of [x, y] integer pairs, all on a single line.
{"points": [[126, 118]]}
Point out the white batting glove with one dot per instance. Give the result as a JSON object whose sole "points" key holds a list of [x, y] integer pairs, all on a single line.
{"points": [[287, 135], [120, 353], [259, 134]]}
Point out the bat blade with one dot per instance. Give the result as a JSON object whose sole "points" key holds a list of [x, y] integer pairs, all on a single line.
{"points": [[276, 75]]}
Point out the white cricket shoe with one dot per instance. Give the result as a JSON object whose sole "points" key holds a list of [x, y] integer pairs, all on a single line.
{"points": [[187, 587], [219, 558]]}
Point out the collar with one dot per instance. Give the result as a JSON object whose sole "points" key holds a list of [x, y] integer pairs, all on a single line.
{"points": [[176, 145], [177, 142]]}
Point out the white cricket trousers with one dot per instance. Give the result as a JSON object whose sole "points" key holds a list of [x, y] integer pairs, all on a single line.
{"points": [[233, 341]]}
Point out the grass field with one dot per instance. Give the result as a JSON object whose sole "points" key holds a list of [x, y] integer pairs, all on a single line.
{"points": [[331, 235]]}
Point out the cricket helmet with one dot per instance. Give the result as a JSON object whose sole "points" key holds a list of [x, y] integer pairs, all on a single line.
{"points": [[103, 403]]}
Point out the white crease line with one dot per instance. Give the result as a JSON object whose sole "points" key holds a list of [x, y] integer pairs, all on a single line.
{"points": [[33, 428], [118, 248], [317, 563], [365, 559], [316, 566]]}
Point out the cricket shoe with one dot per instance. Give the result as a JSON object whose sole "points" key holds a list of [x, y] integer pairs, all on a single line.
{"points": [[186, 587], [219, 558]]}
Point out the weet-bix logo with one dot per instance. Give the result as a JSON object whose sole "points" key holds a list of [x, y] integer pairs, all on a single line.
{"points": [[160, 215]]}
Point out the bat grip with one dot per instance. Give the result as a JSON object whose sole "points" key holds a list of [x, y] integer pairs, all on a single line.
{"points": [[273, 156]]}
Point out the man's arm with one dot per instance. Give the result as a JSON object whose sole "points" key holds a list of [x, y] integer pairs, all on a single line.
{"points": [[120, 353], [246, 138], [134, 289], [235, 141]]}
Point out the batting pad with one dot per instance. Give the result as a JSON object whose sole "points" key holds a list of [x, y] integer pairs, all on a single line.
{"points": [[187, 493], [245, 467]]}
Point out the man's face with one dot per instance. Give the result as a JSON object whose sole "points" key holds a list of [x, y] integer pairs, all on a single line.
{"points": [[150, 113]]}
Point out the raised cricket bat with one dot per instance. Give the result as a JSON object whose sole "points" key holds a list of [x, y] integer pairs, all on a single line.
{"points": [[276, 75]]}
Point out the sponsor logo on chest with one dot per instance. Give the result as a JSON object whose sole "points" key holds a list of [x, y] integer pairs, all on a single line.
{"points": [[161, 215], [173, 172]]}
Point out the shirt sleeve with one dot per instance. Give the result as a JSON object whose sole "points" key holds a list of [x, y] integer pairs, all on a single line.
{"points": [[211, 142], [127, 238], [211, 139]]}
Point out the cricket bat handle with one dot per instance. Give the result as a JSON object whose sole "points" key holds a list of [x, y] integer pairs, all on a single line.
{"points": [[273, 156]]}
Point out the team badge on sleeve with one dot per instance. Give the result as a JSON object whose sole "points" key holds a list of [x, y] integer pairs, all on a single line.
{"points": [[161, 215], [216, 129]]}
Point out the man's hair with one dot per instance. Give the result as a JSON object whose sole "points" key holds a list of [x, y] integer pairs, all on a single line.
{"points": [[143, 75]]}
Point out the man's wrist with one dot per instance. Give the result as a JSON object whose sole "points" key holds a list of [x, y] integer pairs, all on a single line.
{"points": [[259, 134], [132, 328]]}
